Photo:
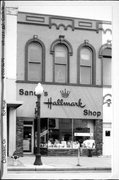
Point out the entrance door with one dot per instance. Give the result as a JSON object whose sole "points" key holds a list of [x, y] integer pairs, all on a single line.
{"points": [[28, 139]]}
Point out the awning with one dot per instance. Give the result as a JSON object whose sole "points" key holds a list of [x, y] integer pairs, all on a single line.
{"points": [[14, 104]]}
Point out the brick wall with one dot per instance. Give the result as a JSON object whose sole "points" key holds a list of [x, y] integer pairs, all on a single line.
{"points": [[98, 136], [19, 137]]}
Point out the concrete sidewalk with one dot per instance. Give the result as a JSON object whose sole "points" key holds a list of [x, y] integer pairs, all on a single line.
{"points": [[59, 163]]}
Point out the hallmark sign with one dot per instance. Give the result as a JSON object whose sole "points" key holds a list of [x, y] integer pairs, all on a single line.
{"points": [[62, 102], [59, 101], [72, 102]]}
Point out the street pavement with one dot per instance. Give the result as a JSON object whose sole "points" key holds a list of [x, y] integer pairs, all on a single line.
{"points": [[59, 167]]}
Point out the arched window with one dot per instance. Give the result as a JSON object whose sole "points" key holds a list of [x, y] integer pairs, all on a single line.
{"points": [[61, 50], [34, 60], [86, 64], [105, 55], [60, 64]]}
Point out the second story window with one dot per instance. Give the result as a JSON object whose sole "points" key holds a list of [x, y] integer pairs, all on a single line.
{"points": [[61, 50], [106, 61], [86, 64], [105, 54], [34, 62], [35, 52], [60, 64]]}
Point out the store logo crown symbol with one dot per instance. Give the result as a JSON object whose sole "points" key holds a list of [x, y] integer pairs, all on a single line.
{"points": [[64, 93]]}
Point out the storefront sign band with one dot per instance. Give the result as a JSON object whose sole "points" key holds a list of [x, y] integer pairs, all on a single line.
{"points": [[66, 103]]}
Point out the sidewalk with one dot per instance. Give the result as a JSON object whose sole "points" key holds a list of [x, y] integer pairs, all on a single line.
{"points": [[51, 163]]}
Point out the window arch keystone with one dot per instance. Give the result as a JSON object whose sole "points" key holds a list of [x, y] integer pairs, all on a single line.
{"points": [[63, 41]]}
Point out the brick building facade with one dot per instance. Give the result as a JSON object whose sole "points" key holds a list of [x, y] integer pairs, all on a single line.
{"points": [[72, 61]]}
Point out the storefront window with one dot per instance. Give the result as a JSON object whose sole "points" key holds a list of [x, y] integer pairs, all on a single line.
{"points": [[81, 130], [60, 135], [63, 133]]}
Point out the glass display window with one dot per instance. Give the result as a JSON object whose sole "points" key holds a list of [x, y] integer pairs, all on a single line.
{"points": [[63, 133]]}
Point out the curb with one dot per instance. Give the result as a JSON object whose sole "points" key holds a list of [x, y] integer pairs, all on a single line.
{"points": [[58, 169]]}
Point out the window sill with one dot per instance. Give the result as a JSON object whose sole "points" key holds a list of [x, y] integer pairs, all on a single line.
{"points": [[64, 84]]}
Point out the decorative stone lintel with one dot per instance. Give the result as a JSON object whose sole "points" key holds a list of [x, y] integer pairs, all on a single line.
{"points": [[35, 36], [61, 37], [108, 41], [86, 41]]}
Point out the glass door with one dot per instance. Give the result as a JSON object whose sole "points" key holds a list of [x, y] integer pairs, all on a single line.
{"points": [[28, 139]]}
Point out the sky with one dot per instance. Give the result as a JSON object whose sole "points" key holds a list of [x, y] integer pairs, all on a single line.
{"points": [[81, 9]]}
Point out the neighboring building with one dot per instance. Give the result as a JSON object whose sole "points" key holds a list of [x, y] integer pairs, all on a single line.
{"points": [[72, 60]]}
